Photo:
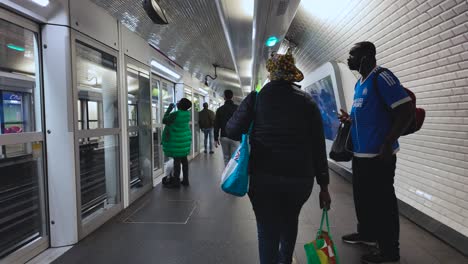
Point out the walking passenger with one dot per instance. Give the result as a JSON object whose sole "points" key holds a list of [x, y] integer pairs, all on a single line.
{"points": [[381, 112], [177, 138], [206, 119], [287, 153], [223, 114]]}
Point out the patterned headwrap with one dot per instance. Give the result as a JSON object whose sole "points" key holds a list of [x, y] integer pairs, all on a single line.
{"points": [[282, 67]]}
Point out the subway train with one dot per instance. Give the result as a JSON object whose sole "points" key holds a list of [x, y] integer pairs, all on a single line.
{"points": [[85, 84]]}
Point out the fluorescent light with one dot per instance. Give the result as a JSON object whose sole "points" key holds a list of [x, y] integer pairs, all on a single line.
{"points": [[203, 91], [41, 2], [248, 7], [324, 9], [165, 69]]}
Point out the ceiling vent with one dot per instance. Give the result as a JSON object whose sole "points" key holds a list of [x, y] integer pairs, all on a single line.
{"points": [[154, 11], [282, 7]]}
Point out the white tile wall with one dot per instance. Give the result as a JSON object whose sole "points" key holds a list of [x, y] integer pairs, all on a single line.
{"points": [[425, 43]]}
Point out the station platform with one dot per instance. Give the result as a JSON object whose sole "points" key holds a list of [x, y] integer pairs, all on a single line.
{"points": [[201, 224]]}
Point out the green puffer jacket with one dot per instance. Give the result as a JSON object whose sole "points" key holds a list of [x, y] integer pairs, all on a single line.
{"points": [[177, 136]]}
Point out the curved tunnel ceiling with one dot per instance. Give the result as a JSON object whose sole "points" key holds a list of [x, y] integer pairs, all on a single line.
{"points": [[194, 37]]}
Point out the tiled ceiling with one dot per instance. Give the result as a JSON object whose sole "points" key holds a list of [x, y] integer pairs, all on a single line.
{"points": [[194, 37], [314, 35]]}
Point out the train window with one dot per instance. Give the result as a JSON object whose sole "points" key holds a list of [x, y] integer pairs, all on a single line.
{"points": [[97, 88], [155, 103], [99, 171], [18, 49], [139, 125]]}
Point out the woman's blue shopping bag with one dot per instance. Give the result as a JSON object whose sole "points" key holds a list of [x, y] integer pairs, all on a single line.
{"points": [[235, 177]]}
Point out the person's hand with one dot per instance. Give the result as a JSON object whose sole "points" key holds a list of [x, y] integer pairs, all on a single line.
{"points": [[344, 116], [324, 199], [386, 152], [216, 143], [171, 106]]}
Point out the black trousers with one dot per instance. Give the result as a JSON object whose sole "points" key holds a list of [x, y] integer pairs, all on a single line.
{"points": [[277, 215], [376, 203], [177, 163]]}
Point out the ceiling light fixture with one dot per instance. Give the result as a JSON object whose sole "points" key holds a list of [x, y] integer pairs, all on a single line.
{"points": [[203, 91], [41, 2], [165, 69]]}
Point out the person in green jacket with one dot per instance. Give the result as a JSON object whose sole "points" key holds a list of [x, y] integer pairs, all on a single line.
{"points": [[177, 138]]}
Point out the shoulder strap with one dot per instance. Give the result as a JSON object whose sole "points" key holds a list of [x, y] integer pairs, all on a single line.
{"points": [[375, 83], [254, 111]]}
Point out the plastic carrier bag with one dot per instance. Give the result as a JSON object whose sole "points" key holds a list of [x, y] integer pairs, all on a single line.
{"points": [[322, 250]]}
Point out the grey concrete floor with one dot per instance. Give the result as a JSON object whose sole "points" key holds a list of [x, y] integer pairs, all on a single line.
{"points": [[201, 224]]}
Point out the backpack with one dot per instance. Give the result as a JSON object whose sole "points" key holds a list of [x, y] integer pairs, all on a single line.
{"points": [[419, 114]]}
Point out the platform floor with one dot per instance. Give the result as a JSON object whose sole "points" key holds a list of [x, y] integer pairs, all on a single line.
{"points": [[201, 224]]}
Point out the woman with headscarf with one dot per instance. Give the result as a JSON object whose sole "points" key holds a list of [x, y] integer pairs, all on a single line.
{"points": [[287, 153]]}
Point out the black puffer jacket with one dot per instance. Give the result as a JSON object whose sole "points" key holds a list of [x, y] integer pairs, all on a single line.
{"points": [[287, 141]]}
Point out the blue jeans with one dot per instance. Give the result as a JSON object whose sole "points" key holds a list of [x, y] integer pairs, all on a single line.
{"points": [[208, 132], [277, 215]]}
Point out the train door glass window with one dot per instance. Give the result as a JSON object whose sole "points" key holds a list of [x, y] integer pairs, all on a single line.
{"points": [[97, 87], [98, 134], [156, 113], [22, 180], [167, 90], [139, 125]]}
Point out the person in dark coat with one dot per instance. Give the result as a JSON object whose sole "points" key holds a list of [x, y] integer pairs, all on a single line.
{"points": [[223, 114], [287, 154], [206, 119]]}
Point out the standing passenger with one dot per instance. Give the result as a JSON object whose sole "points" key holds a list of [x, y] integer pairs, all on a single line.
{"points": [[206, 119], [223, 114], [287, 153], [379, 116], [177, 138]]}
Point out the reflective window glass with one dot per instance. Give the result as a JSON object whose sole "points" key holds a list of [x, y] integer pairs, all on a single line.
{"points": [[18, 51], [157, 149], [155, 100], [99, 173], [22, 175], [97, 87], [139, 122], [20, 105]]}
